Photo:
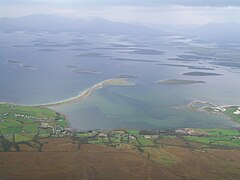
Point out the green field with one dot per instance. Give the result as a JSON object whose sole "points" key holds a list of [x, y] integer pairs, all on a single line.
{"points": [[25, 122], [132, 132], [219, 132], [145, 142], [217, 137], [230, 112]]}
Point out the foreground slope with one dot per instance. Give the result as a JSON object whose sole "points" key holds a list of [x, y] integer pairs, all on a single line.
{"points": [[61, 158]]}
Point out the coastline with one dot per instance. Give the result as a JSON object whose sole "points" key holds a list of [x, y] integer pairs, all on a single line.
{"points": [[211, 108], [84, 94]]}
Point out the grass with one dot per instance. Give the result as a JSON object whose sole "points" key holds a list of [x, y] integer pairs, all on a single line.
{"points": [[119, 82], [30, 128], [232, 143], [10, 130], [38, 112], [97, 141], [132, 132], [83, 135], [227, 141], [133, 142], [161, 156], [25, 121], [220, 132], [167, 137], [115, 139], [21, 137], [44, 132], [63, 123], [145, 142], [230, 112]]}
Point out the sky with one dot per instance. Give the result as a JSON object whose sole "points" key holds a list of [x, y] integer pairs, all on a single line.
{"points": [[155, 12]]}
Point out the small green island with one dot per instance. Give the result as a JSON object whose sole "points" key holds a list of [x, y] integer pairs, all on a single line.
{"points": [[76, 69]]}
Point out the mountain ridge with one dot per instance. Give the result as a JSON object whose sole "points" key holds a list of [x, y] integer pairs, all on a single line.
{"points": [[55, 23]]}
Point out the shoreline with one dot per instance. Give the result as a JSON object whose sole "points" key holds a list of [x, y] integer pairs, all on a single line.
{"points": [[84, 94], [215, 109]]}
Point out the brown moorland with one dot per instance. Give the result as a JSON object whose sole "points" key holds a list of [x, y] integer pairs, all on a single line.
{"points": [[62, 158]]}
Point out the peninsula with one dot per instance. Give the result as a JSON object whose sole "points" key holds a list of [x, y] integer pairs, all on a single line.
{"points": [[89, 91]]}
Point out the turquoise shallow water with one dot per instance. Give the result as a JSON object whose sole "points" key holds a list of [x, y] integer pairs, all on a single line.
{"points": [[126, 107], [146, 105]]}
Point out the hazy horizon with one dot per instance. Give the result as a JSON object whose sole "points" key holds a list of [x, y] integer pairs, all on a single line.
{"points": [[152, 12]]}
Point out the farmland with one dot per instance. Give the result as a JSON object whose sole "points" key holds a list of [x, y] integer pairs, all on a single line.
{"points": [[24, 123], [39, 135]]}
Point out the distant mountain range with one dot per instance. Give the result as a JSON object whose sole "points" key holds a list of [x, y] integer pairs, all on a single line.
{"points": [[222, 32], [54, 23], [219, 32]]}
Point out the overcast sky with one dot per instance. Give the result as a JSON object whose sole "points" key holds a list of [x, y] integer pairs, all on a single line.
{"points": [[143, 11]]}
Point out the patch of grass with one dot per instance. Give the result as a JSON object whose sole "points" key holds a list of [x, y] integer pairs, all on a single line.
{"points": [[45, 131], [132, 132], [97, 140], [62, 123], [10, 130], [133, 142], [230, 112], [145, 142], [208, 139], [30, 128], [83, 135], [23, 137], [38, 112], [115, 139], [167, 137], [161, 156], [219, 132], [232, 143], [220, 141]]}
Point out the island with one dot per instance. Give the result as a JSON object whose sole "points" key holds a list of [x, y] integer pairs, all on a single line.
{"points": [[126, 76], [187, 66], [71, 66], [196, 73], [147, 52], [14, 61], [86, 71], [21, 64], [179, 82], [76, 69], [29, 67], [133, 60]]}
